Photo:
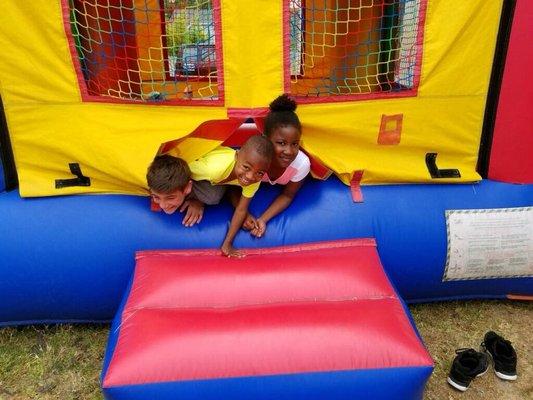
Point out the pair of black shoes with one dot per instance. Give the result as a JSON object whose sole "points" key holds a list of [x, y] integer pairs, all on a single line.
{"points": [[469, 363]]}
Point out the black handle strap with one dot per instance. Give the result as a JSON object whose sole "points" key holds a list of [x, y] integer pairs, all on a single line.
{"points": [[80, 180], [435, 172]]}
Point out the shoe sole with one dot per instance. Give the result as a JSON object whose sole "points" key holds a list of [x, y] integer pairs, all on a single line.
{"points": [[461, 387], [456, 385], [499, 374], [505, 377]]}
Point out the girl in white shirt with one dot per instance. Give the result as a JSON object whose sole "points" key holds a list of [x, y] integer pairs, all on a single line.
{"points": [[289, 165]]}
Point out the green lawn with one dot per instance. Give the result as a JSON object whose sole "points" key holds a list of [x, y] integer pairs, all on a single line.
{"points": [[64, 362], [448, 326]]}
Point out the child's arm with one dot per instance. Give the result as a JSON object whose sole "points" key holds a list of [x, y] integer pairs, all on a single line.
{"points": [[234, 195], [236, 222], [278, 205]]}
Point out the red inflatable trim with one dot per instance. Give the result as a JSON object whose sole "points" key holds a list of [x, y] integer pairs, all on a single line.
{"points": [[510, 159]]}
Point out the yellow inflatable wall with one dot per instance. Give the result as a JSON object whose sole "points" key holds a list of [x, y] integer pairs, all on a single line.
{"points": [[52, 123]]}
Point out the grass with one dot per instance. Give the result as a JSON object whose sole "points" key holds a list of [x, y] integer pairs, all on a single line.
{"points": [[448, 326], [64, 362], [51, 362]]}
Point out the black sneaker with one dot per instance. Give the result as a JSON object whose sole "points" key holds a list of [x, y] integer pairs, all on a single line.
{"points": [[467, 365], [503, 355]]}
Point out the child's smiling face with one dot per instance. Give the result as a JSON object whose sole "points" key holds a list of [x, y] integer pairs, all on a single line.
{"points": [[286, 141], [171, 201], [250, 166]]}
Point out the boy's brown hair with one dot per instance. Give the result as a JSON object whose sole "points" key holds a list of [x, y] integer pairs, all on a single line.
{"points": [[167, 173]]}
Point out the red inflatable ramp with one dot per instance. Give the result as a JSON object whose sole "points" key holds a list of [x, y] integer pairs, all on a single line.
{"points": [[314, 321]]}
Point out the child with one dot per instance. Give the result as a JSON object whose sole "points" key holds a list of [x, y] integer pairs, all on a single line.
{"points": [[244, 168], [170, 185], [289, 165]]}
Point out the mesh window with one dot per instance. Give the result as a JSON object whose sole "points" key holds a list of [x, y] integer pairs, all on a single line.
{"points": [[355, 48], [147, 50]]}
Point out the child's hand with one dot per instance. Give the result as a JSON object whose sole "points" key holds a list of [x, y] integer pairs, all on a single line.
{"points": [[230, 251], [260, 228], [194, 214], [249, 223]]}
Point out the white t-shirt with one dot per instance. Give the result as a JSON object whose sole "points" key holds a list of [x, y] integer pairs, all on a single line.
{"points": [[295, 172]]}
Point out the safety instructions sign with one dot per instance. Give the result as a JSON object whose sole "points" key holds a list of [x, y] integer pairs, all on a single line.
{"points": [[489, 243]]}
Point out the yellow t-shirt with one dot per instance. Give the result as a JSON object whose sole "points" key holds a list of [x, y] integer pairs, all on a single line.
{"points": [[216, 166]]}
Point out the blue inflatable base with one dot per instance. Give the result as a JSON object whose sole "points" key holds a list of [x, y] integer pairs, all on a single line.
{"points": [[382, 384], [68, 259]]}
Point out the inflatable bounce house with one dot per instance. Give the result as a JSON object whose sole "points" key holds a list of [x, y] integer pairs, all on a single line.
{"points": [[417, 118]]}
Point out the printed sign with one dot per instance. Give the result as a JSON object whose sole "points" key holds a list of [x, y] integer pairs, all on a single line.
{"points": [[489, 243]]}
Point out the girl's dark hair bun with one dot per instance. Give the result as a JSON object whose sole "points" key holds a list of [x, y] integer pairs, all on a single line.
{"points": [[283, 103]]}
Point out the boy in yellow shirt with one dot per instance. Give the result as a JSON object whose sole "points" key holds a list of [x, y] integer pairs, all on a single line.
{"points": [[244, 168]]}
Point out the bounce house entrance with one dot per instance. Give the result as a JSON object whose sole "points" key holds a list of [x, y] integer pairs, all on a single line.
{"points": [[207, 136], [232, 132]]}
